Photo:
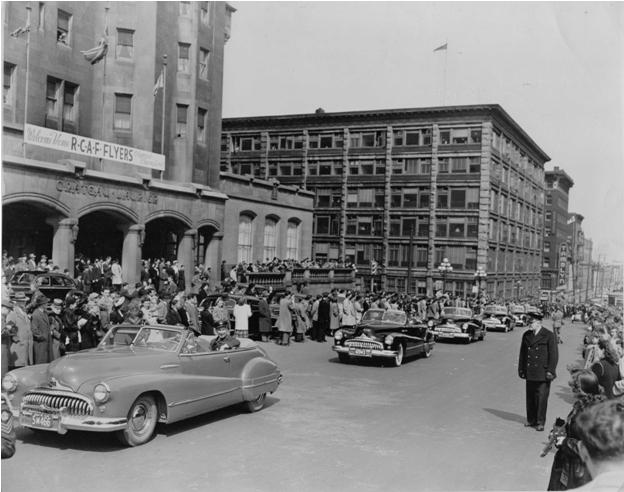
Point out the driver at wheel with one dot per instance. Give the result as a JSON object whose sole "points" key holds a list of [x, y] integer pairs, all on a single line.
{"points": [[223, 341]]}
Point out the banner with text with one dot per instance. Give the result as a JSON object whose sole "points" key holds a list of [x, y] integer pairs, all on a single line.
{"points": [[53, 139]]}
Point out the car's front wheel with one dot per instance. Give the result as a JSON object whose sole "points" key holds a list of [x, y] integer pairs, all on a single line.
{"points": [[142, 420], [398, 358], [256, 404], [344, 358]]}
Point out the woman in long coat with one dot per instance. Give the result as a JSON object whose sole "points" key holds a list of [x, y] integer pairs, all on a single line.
{"points": [[284, 321], [264, 317]]}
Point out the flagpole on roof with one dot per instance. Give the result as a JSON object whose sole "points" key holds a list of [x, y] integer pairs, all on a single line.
{"points": [[28, 9], [444, 90], [106, 9], [164, 105]]}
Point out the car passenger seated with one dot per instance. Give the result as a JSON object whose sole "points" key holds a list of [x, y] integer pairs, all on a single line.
{"points": [[223, 341]]}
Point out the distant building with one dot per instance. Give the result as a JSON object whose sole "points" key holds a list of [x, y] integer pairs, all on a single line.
{"points": [[555, 259], [466, 182]]}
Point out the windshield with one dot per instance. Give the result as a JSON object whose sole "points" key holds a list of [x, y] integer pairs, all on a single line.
{"points": [[457, 312], [518, 309], [398, 317], [23, 278], [143, 336], [373, 315], [495, 310]]}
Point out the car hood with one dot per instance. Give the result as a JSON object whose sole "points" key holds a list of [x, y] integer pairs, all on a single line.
{"points": [[497, 317], [74, 370], [454, 319]]}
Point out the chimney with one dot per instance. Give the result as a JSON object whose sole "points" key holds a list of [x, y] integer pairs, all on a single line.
{"points": [[320, 111]]}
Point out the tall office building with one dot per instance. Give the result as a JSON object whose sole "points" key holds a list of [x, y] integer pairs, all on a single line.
{"points": [[464, 183]]}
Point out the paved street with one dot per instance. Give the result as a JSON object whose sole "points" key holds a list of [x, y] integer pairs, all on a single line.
{"points": [[451, 422]]}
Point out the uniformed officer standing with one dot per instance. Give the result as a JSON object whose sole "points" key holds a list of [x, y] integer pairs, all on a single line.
{"points": [[537, 365]]}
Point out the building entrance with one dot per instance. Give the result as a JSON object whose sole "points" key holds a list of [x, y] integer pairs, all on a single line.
{"points": [[162, 238], [100, 235], [25, 230]]}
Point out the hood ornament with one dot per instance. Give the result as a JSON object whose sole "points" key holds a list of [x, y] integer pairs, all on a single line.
{"points": [[52, 383]]}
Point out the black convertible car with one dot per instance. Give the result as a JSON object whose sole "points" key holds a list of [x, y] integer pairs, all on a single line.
{"points": [[387, 335], [459, 323]]}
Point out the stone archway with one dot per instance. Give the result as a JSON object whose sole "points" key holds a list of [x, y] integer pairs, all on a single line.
{"points": [[26, 229]]}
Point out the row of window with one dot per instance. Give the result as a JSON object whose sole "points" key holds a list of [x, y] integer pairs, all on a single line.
{"points": [[511, 234], [512, 262], [357, 139], [513, 209], [246, 233]]}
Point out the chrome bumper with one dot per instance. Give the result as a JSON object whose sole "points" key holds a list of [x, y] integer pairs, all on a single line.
{"points": [[62, 423], [446, 334], [374, 353]]}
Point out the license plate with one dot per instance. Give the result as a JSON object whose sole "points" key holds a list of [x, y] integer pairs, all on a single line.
{"points": [[361, 352], [447, 335], [42, 420]]}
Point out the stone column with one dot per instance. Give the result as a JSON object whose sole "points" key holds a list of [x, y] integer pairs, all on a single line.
{"points": [[186, 248], [63, 244], [131, 255], [213, 257]]}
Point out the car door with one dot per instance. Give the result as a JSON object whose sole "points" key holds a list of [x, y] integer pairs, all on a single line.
{"points": [[414, 340], [209, 381], [42, 283]]}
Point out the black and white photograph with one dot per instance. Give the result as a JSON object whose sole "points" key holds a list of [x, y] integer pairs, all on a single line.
{"points": [[312, 246]]}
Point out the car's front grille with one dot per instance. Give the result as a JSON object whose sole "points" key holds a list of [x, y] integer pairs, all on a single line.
{"points": [[364, 344], [76, 405]]}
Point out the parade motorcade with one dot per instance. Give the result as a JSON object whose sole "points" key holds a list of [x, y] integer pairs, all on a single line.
{"points": [[136, 377], [498, 318], [519, 314], [50, 284], [386, 335], [458, 323]]}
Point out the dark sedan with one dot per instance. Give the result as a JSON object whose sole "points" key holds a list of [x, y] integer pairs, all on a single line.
{"points": [[459, 323], [387, 335], [50, 284]]}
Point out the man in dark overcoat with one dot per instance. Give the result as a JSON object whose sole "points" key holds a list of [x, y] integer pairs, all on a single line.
{"points": [[324, 318], [42, 333], [537, 365], [264, 317]]}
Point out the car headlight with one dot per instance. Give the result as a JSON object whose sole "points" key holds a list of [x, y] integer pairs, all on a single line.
{"points": [[101, 392], [465, 326], [338, 335], [430, 323], [9, 383], [389, 339]]}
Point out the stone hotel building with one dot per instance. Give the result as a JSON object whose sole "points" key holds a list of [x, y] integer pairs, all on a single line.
{"points": [[464, 183]]}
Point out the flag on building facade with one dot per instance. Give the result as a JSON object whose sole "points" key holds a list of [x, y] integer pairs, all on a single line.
{"points": [[159, 83], [98, 53], [443, 47], [21, 30], [571, 219]]}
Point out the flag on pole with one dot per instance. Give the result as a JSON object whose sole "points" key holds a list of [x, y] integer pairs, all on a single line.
{"points": [[443, 47], [572, 219], [159, 83], [21, 30], [98, 53]]}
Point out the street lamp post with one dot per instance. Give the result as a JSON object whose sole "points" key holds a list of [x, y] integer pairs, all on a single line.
{"points": [[480, 276], [518, 283], [445, 268]]}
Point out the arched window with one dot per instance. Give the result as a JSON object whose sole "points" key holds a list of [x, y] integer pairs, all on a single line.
{"points": [[245, 238], [270, 238], [292, 241]]}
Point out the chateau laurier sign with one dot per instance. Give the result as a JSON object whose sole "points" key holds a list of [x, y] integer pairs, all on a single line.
{"points": [[75, 144]]}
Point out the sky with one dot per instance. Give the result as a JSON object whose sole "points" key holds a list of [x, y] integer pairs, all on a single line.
{"points": [[555, 67]]}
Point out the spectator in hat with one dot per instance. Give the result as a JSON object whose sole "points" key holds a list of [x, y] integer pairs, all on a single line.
{"points": [[21, 352], [41, 330], [70, 324], [284, 320], [537, 365], [8, 331], [32, 264], [21, 265], [324, 318], [181, 278], [57, 329], [601, 447]]}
